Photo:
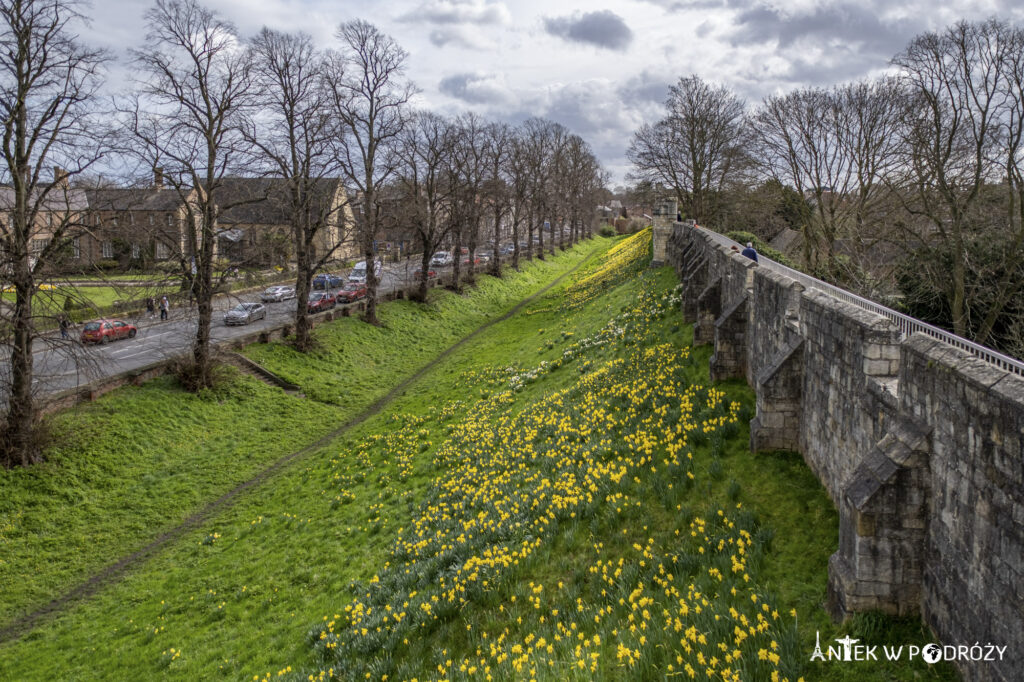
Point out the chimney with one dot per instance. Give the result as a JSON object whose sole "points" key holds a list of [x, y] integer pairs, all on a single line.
{"points": [[158, 177], [60, 176]]}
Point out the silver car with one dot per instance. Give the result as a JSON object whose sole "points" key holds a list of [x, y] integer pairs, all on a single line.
{"points": [[281, 292], [244, 313]]}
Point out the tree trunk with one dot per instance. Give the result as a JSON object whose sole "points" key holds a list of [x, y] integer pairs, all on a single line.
{"points": [[421, 292], [457, 263], [957, 303], [370, 315], [303, 330], [18, 443], [495, 255], [529, 235], [515, 240], [474, 234], [202, 376], [540, 241]]}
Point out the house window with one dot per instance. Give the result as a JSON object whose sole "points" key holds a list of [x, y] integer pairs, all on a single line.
{"points": [[170, 220], [113, 221], [76, 248], [131, 218], [136, 252], [38, 245], [108, 249], [151, 220], [162, 252]]}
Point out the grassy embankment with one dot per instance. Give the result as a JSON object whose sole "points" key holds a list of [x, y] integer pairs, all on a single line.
{"points": [[564, 495], [137, 462]]}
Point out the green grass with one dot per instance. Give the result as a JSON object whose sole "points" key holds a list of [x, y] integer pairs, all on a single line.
{"points": [[141, 460], [240, 596]]}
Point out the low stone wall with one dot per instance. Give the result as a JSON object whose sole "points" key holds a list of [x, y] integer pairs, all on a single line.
{"points": [[919, 445], [94, 389]]}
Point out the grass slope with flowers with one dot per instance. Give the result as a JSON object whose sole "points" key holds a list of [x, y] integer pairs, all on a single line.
{"points": [[564, 498], [138, 461]]}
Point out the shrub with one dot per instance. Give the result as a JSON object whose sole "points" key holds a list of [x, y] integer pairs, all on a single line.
{"points": [[107, 264]]}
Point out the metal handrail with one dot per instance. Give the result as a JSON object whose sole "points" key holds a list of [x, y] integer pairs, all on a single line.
{"points": [[907, 325]]}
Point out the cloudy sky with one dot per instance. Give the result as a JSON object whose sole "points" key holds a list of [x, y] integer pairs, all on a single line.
{"points": [[599, 67]]}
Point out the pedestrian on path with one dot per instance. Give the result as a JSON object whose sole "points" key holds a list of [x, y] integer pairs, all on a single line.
{"points": [[65, 324], [749, 252], [165, 307], [151, 307]]}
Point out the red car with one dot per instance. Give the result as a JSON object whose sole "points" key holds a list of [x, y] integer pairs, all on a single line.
{"points": [[105, 331], [476, 260], [320, 301], [431, 274], [353, 291]]}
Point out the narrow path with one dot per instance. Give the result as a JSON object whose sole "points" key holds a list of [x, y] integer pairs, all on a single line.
{"points": [[112, 573]]}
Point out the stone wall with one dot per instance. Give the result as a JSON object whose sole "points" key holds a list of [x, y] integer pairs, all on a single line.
{"points": [[973, 576], [919, 445]]}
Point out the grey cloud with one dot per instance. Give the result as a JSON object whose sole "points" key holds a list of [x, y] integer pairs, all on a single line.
{"points": [[603, 29], [479, 12], [477, 88], [458, 36], [645, 88], [839, 24], [677, 5]]}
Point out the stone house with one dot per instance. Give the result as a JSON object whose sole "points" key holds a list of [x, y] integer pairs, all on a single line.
{"points": [[254, 221], [60, 210]]}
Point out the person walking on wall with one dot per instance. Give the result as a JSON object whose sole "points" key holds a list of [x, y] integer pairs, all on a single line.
{"points": [[165, 307], [749, 252]]}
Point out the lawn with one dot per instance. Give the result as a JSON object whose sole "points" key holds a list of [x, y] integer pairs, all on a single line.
{"points": [[564, 496], [131, 465]]}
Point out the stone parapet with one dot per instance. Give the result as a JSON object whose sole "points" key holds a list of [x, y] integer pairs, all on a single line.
{"points": [[919, 445]]}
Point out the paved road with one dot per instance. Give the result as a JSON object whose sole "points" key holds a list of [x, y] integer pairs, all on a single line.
{"points": [[63, 365]]}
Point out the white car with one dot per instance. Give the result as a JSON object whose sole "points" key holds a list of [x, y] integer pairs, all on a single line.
{"points": [[441, 259], [280, 292], [358, 273]]}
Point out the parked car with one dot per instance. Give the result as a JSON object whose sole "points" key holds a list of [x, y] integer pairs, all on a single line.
{"points": [[431, 274], [281, 292], [441, 259], [358, 273], [352, 291], [244, 313], [326, 280], [476, 260], [105, 331], [507, 249], [320, 301]]}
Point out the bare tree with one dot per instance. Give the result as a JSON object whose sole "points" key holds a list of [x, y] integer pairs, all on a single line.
{"points": [[697, 147], [558, 201], [537, 144], [1013, 158], [835, 147], [295, 135], [47, 83], [369, 98], [424, 150], [520, 184], [495, 189], [583, 177], [952, 130], [468, 168], [187, 116]]}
